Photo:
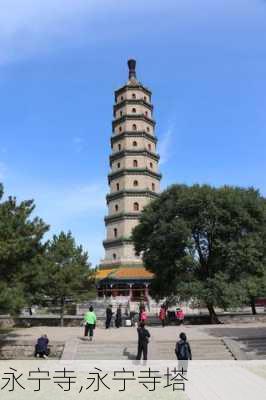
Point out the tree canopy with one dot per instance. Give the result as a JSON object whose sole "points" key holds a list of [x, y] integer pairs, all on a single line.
{"points": [[205, 243], [20, 243], [33, 270]]}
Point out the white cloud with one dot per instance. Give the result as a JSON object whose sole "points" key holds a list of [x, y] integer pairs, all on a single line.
{"points": [[79, 144], [30, 27], [165, 145]]}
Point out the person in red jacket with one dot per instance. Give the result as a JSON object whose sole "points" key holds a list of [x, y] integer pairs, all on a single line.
{"points": [[162, 315], [180, 316]]}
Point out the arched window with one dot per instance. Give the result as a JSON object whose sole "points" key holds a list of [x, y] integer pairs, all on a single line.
{"points": [[151, 165], [114, 256], [134, 110], [117, 186], [133, 95], [119, 147], [136, 206], [153, 186], [149, 147], [135, 163], [116, 207], [135, 183], [135, 144], [148, 129], [115, 232], [134, 127], [118, 165]]}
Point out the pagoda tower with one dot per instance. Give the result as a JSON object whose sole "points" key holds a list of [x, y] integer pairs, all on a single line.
{"points": [[133, 179]]}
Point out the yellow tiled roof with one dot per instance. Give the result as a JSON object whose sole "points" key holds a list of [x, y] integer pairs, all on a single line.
{"points": [[103, 273], [138, 272]]}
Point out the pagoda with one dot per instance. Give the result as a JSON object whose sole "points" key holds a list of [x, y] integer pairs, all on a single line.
{"points": [[134, 181]]}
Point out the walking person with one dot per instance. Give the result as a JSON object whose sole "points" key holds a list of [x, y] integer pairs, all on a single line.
{"points": [[90, 323], [109, 314], [183, 352], [118, 317], [143, 340], [162, 315]]}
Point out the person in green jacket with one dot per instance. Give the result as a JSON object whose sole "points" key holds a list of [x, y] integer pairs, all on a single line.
{"points": [[90, 322]]}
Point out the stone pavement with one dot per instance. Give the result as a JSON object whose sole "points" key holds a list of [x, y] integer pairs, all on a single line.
{"points": [[207, 341]]}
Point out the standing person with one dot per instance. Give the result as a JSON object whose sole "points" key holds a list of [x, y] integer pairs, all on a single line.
{"points": [[143, 315], [41, 347], [90, 322], [183, 352], [109, 314], [180, 316], [143, 340], [118, 317], [162, 315]]}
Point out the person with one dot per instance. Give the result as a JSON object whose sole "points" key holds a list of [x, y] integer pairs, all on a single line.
{"points": [[183, 352], [143, 315], [118, 317], [180, 316], [143, 340], [109, 314], [90, 322], [41, 347], [162, 315]]}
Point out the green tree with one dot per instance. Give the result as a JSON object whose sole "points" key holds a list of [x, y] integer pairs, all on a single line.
{"points": [[66, 273], [203, 242], [20, 242]]}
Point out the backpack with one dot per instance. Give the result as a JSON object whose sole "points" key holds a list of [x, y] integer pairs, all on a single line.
{"points": [[183, 352]]}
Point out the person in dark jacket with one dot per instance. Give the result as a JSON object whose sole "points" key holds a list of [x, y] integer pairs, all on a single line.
{"points": [[118, 317], [183, 352], [109, 314], [41, 347], [143, 340]]}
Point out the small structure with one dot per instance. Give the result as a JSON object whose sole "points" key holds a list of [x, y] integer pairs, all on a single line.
{"points": [[134, 181]]}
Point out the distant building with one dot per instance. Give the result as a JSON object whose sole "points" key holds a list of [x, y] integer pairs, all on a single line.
{"points": [[134, 181]]}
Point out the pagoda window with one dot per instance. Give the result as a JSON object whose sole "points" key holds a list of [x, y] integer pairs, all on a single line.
{"points": [[117, 186], [115, 232], [116, 207], [114, 256], [120, 128], [135, 144], [134, 110], [135, 183], [148, 129], [135, 163], [146, 113], [136, 206], [121, 98], [145, 98], [121, 113], [133, 95], [134, 127], [119, 147], [149, 147], [153, 186], [118, 165], [151, 165]]}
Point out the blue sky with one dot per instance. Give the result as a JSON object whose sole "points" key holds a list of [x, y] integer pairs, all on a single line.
{"points": [[61, 60]]}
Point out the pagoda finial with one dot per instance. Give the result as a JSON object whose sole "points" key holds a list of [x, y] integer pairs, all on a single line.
{"points": [[132, 68]]}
